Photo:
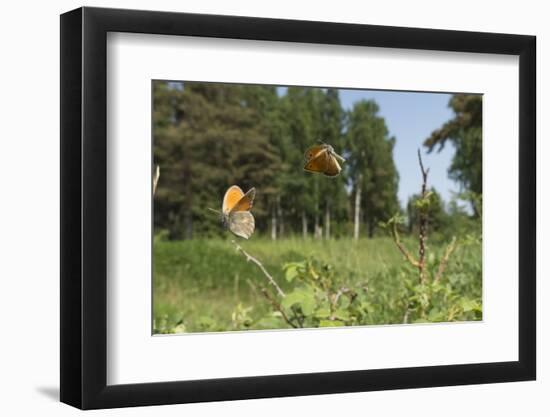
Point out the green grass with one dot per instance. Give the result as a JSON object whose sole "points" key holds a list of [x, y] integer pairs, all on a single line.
{"points": [[201, 282]]}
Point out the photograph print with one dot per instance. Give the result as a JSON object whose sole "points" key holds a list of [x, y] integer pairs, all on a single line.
{"points": [[292, 207]]}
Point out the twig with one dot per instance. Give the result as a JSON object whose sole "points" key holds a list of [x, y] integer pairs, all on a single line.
{"points": [[336, 297], [401, 247], [424, 172], [277, 306], [406, 315], [422, 223], [259, 264], [273, 302], [443, 263], [156, 179], [334, 301], [342, 291]]}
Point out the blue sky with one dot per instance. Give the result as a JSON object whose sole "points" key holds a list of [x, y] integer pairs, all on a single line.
{"points": [[411, 118]]}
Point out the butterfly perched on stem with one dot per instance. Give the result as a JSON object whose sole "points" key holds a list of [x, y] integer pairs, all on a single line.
{"points": [[235, 212], [322, 159]]}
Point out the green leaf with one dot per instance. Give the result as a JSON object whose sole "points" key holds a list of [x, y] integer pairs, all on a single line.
{"points": [[304, 297], [291, 273], [308, 306], [206, 322], [470, 305], [367, 307], [270, 323], [322, 313], [330, 323], [341, 314], [435, 315], [292, 270], [180, 328], [343, 302], [312, 272]]}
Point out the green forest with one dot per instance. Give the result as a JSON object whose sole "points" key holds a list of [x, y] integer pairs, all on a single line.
{"points": [[318, 238]]}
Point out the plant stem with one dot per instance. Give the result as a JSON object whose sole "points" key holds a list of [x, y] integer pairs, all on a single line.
{"points": [[401, 247], [273, 302], [422, 224], [443, 263], [277, 306], [356, 214], [259, 264]]}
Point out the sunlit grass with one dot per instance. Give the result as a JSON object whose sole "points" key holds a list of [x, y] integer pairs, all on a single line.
{"points": [[198, 281]]}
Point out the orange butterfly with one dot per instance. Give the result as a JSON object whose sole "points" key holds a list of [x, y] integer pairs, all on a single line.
{"points": [[323, 159], [235, 212]]}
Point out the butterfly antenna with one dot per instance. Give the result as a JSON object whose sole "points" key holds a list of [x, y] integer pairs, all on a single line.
{"points": [[215, 211]]}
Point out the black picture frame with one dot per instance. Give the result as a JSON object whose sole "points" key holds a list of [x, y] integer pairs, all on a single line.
{"points": [[84, 207]]}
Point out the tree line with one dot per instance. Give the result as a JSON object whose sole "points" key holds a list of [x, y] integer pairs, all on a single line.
{"points": [[208, 136]]}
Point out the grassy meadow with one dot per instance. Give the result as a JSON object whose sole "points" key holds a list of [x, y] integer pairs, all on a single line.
{"points": [[207, 285], [370, 240]]}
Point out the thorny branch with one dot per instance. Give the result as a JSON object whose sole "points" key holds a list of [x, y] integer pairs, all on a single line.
{"points": [[401, 247], [277, 306], [340, 292], [422, 223], [259, 264], [420, 264], [443, 263], [334, 299]]}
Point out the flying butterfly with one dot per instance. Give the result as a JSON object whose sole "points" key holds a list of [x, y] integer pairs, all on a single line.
{"points": [[322, 158], [235, 212]]}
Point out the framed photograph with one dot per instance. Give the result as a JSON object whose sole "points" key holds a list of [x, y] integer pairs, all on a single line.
{"points": [[258, 208]]}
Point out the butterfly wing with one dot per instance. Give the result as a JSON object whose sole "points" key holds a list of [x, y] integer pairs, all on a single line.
{"points": [[245, 202], [318, 163], [314, 151], [332, 168], [232, 196], [241, 223]]}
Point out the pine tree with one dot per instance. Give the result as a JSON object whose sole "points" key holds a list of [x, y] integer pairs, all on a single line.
{"points": [[464, 131], [372, 174], [208, 136], [333, 191], [217, 139]]}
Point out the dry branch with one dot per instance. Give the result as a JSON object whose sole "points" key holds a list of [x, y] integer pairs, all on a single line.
{"points": [[276, 305], [443, 263], [422, 223], [338, 294], [401, 247], [259, 264]]}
